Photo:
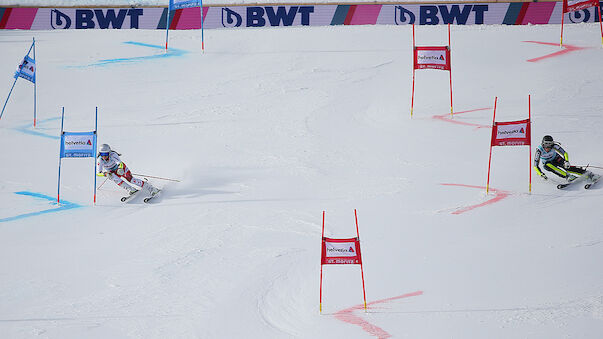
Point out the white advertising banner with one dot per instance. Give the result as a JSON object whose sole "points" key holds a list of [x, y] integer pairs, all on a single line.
{"points": [[340, 249], [511, 131], [431, 57]]}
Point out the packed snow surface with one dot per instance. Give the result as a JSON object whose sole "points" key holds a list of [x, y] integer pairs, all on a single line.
{"points": [[267, 129]]}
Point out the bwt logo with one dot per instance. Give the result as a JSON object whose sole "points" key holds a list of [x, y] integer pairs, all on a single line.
{"points": [[276, 16], [428, 15], [88, 18]]}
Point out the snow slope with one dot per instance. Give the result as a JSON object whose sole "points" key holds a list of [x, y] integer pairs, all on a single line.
{"points": [[265, 130]]}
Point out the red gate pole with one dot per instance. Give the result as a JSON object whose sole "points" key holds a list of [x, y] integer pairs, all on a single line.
{"points": [[412, 97], [562, 16], [361, 269], [490, 157], [600, 24], [450, 70], [530, 126], [321, 241]]}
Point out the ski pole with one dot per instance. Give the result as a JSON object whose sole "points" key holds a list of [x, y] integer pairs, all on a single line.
{"points": [[101, 185], [150, 176], [592, 166]]}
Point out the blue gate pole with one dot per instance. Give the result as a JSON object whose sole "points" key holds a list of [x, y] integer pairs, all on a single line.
{"points": [[35, 79], [95, 143], [60, 154], [167, 26], [9, 93]]}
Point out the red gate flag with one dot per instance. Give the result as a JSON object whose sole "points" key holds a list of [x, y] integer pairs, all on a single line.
{"points": [[511, 133], [576, 5], [340, 251], [432, 57]]}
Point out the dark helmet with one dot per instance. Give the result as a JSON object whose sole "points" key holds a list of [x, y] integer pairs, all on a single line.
{"points": [[548, 141]]}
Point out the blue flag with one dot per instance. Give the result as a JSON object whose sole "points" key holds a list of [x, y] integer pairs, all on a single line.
{"points": [[179, 4], [27, 69], [78, 145]]}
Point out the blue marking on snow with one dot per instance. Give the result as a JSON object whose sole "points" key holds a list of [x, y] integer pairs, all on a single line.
{"points": [[172, 52], [64, 205], [28, 129]]}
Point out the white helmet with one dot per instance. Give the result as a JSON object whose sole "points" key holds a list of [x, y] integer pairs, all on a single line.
{"points": [[104, 150]]}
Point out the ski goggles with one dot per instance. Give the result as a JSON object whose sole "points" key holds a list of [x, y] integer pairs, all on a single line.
{"points": [[104, 154], [547, 144]]}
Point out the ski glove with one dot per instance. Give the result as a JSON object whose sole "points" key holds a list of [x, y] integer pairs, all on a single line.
{"points": [[566, 164], [120, 169]]}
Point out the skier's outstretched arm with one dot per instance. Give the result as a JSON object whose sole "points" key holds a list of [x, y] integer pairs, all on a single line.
{"points": [[537, 163]]}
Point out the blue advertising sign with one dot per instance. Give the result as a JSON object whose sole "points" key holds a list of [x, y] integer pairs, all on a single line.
{"points": [[180, 4], [78, 145]]}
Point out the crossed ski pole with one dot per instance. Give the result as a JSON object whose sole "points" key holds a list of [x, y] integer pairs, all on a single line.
{"points": [[591, 166], [142, 175]]}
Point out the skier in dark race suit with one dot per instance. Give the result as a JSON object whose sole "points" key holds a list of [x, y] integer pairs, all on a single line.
{"points": [[556, 160]]}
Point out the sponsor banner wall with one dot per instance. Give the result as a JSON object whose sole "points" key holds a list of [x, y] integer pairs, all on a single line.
{"points": [[518, 13]]}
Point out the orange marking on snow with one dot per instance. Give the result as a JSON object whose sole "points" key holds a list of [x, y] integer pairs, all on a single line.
{"points": [[349, 317], [567, 49], [498, 196], [446, 117]]}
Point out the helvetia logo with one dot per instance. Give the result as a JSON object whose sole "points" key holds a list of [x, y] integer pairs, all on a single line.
{"points": [[513, 131], [75, 143], [341, 250], [426, 58]]}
